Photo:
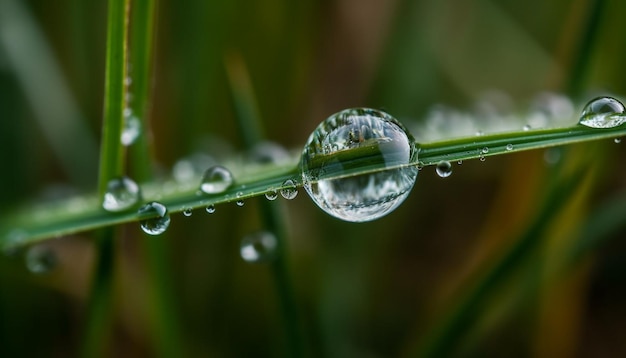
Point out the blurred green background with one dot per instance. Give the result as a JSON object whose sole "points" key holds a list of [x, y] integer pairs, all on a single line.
{"points": [[378, 289]]}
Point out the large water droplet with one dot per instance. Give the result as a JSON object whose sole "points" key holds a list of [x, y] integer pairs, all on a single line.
{"points": [[290, 191], [353, 141], [603, 112], [444, 169], [121, 194], [258, 247], [131, 130], [216, 180], [157, 221], [40, 259]]}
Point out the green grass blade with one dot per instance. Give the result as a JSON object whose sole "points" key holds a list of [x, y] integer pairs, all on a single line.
{"points": [[165, 325], [250, 128], [442, 339], [111, 165], [80, 213], [111, 150], [141, 53]]}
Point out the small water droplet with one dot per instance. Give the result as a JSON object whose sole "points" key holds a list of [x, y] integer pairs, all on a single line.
{"points": [[444, 169], [526, 127], [40, 259], [617, 140], [291, 191], [479, 133], [482, 158], [121, 194], [131, 130], [509, 146], [258, 247], [380, 141], [485, 150], [210, 209], [239, 194], [187, 212], [459, 162], [239, 202], [271, 194], [603, 112], [216, 180], [158, 219]]}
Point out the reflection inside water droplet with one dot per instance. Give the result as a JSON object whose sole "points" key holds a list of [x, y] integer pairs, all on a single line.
{"points": [[187, 212], [271, 194], [216, 180], [210, 209], [290, 191], [603, 112], [352, 141], [258, 247], [157, 218], [444, 169], [121, 194]]}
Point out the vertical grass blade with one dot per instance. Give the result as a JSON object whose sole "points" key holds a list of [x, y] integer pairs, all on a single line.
{"points": [[111, 165], [442, 339], [164, 324], [251, 131]]}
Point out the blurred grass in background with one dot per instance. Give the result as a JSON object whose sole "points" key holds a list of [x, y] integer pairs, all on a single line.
{"points": [[510, 243]]}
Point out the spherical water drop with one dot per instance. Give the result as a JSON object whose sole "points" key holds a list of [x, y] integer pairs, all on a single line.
{"points": [[271, 194], [459, 162], [360, 139], [444, 169], [258, 247], [216, 180], [485, 150], [239, 202], [121, 194], [526, 128], [131, 130], [210, 209], [509, 146], [603, 112], [482, 158], [617, 140], [479, 133], [156, 219], [40, 259], [187, 212], [290, 191]]}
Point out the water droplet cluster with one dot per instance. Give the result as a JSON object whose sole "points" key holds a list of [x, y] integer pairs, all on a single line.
{"points": [[358, 139]]}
